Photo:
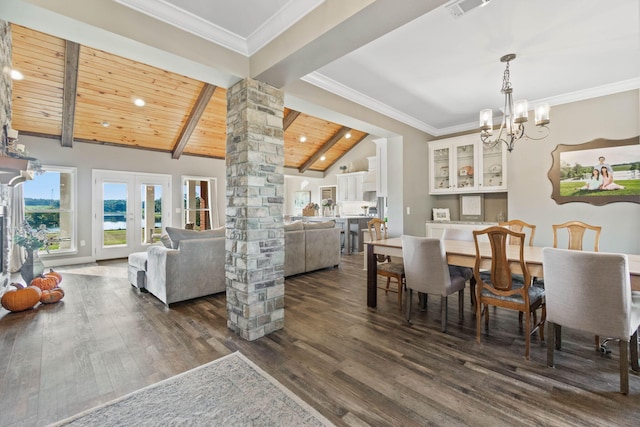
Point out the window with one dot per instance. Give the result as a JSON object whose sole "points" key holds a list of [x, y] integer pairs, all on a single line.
{"points": [[49, 199], [200, 207]]}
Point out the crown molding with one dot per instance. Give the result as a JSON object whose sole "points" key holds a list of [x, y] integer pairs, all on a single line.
{"points": [[339, 89], [166, 12], [608, 89], [291, 13]]}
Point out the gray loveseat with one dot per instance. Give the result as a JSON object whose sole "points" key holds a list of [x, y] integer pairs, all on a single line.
{"points": [[310, 246], [192, 267]]}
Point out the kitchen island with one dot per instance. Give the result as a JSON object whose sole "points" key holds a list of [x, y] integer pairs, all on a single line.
{"points": [[352, 227]]}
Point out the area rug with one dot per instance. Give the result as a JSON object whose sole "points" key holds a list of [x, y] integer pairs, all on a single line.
{"points": [[230, 391]]}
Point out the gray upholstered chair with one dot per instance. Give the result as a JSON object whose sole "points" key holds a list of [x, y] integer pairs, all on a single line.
{"points": [[500, 287], [580, 286], [426, 271], [466, 235]]}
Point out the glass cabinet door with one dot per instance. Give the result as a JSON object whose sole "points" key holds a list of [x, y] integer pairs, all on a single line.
{"points": [[493, 167], [440, 169], [464, 166]]}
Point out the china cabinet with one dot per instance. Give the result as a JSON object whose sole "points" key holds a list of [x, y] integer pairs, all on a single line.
{"points": [[464, 165]]}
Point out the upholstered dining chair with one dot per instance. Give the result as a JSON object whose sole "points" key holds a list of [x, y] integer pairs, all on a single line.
{"points": [[576, 230], [385, 267], [464, 234], [427, 272], [519, 226], [580, 286], [500, 287]]}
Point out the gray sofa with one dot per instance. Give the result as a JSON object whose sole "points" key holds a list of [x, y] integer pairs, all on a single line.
{"points": [[192, 267], [310, 246]]}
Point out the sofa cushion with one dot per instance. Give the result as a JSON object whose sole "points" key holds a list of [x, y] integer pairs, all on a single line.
{"points": [[319, 225], [294, 226], [177, 234]]}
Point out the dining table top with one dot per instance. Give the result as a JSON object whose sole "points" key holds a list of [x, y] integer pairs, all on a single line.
{"points": [[462, 252]]}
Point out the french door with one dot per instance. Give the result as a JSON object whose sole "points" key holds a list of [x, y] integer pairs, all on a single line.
{"points": [[129, 211]]}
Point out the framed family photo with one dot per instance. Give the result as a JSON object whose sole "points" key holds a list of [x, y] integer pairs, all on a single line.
{"points": [[441, 214], [598, 172]]}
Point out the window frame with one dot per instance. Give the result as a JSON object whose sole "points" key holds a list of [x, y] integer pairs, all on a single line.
{"points": [[213, 199], [73, 211]]}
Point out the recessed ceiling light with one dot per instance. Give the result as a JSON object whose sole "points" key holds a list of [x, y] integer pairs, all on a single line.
{"points": [[323, 158], [139, 102], [348, 135], [106, 124], [303, 138], [16, 75]]}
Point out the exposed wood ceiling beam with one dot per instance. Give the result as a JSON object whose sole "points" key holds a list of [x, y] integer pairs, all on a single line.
{"points": [[289, 119], [325, 147], [345, 153], [201, 104], [70, 90]]}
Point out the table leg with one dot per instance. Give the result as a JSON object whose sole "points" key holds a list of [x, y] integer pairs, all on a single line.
{"points": [[372, 277], [347, 237]]}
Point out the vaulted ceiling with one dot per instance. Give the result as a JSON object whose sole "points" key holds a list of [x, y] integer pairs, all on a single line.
{"points": [[75, 92]]}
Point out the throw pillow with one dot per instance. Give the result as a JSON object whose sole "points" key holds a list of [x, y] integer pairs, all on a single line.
{"points": [[177, 234], [166, 241], [319, 225]]}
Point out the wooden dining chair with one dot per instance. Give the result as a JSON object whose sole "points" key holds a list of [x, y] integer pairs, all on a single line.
{"points": [[427, 272], [576, 230], [519, 227], [580, 286], [500, 287], [387, 268]]}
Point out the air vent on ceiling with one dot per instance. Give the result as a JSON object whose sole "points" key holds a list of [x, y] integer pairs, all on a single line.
{"points": [[460, 7]]}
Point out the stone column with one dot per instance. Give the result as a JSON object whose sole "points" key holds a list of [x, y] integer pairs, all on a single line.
{"points": [[255, 185]]}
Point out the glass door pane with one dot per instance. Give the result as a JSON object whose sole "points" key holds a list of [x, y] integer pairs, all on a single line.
{"points": [[151, 211], [114, 214]]}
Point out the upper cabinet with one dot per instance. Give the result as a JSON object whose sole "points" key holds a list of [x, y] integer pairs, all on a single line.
{"points": [[350, 187], [463, 165]]}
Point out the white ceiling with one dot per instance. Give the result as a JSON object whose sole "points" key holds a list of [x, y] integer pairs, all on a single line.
{"points": [[430, 70]]}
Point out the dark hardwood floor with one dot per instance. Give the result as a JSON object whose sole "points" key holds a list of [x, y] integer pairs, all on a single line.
{"points": [[355, 365]]}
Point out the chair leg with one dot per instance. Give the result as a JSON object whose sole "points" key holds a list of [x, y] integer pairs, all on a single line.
{"points": [[558, 336], [461, 304], [424, 299], [597, 341], [399, 294], [486, 317], [551, 333], [409, 297], [633, 344], [443, 312], [478, 321], [388, 283], [527, 336], [624, 367], [543, 318], [472, 291]]}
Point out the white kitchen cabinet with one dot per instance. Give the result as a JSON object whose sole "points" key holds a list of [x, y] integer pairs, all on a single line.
{"points": [[350, 187], [381, 167], [463, 165]]}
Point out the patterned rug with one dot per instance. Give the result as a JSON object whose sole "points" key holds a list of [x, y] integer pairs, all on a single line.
{"points": [[230, 391]]}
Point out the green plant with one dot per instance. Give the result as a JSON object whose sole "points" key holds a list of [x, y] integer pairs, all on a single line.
{"points": [[32, 239]]}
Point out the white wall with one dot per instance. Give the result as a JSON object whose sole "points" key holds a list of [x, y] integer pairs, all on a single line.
{"points": [[611, 117], [86, 156]]}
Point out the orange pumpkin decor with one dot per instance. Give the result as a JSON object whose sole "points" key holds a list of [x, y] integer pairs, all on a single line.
{"points": [[21, 298], [45, 282], [54, 274], [51, 296]]}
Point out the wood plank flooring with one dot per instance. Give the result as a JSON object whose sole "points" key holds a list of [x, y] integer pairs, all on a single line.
{"points": [[355, 365]]}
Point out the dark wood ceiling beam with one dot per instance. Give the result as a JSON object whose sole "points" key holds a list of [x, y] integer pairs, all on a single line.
{"points": [[196, 112], [291, 116], [70, 91], [325, 147], [346, 152]]}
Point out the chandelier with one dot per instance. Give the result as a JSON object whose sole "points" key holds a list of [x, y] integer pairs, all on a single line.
{"points": [[512, 127]]}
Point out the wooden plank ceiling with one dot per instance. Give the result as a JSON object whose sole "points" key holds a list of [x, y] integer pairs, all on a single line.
{"points": [[93, 101]]}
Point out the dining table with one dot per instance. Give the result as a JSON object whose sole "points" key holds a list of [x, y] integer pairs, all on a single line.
{"points": [[463, 253]]}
